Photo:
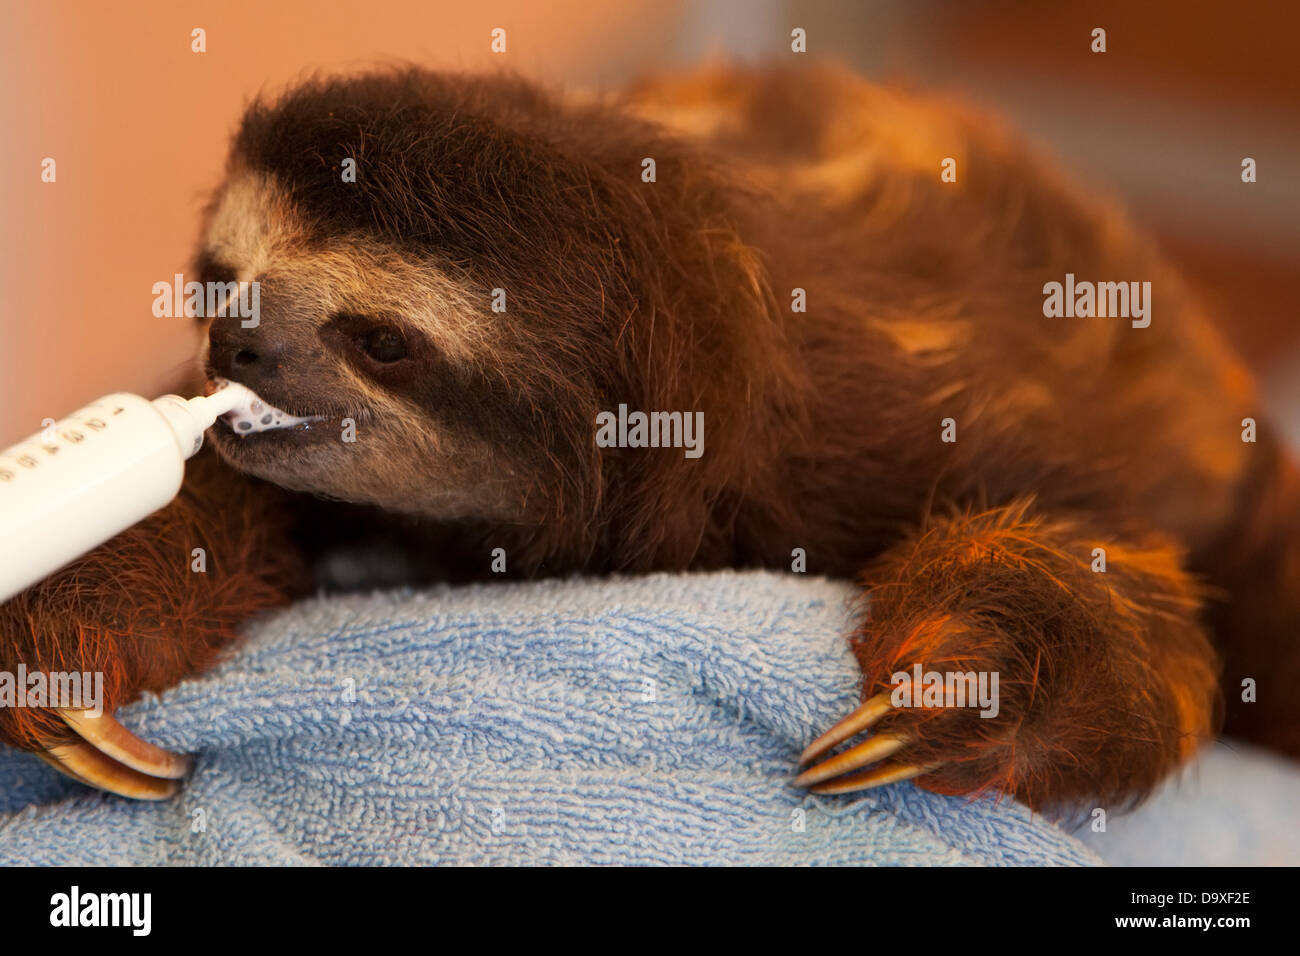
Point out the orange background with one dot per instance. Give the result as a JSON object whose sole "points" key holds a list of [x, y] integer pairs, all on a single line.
{"points": [[138, 126]]}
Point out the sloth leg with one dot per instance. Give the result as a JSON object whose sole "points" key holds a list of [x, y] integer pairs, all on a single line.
{"points": [[1105, 680], [154, 605]]}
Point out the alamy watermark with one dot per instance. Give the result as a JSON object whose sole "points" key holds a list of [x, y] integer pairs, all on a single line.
{"points": [[946, 689], [71, 690], [626, 429], [1121, 300], [208, 300]]}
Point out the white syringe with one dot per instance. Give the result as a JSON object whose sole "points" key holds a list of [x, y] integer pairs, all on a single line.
{"points": [[74, 485]]}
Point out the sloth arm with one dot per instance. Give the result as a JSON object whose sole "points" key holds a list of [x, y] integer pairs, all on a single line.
{"points": [[150, 607]]}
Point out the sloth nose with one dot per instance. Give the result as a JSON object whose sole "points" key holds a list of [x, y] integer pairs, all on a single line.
{"points": [[239, 354]]}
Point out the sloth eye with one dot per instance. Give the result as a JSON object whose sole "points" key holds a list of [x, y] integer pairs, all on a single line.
{"points": [[384, 345], [381, 340]]}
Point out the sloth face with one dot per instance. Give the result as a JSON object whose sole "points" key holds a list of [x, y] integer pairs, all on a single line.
{"points": [[459, 273], [385, 351], [419, 397]]}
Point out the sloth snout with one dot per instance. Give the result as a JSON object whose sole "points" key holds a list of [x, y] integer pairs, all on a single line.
{"points": [[241, 354]]}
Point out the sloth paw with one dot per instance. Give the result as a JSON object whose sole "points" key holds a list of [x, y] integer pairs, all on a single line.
{"points": [[955, 737], [987, 722], [1088, 686], [106, 755], [1104, 717]]}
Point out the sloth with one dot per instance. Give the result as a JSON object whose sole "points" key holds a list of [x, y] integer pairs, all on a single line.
{"points": [[847, 283]]}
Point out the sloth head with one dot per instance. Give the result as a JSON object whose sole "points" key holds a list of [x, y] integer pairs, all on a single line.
{"points": [[469, 269]]}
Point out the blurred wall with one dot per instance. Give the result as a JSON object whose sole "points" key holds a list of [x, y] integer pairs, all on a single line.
{"points": [[138, 123]]}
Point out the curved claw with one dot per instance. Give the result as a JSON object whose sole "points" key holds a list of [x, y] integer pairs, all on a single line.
{"points": [[869, 751], [110, 757], [875, 777], [863, 716], [85, 764], [827, 776], [115, 741]]}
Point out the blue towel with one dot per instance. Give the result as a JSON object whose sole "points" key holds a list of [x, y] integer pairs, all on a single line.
{"points": [[631, 720]]}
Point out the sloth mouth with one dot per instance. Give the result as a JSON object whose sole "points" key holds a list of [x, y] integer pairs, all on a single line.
{"points": [[254, 415]]}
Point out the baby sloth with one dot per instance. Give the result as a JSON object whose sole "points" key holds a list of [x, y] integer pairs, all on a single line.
{"points": [[461, 276]]}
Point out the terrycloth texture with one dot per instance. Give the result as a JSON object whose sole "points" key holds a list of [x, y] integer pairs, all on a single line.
{"points": [[640, 720]]}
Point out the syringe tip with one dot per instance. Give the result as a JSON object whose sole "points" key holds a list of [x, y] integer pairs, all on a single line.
{"points": [[227, 397]]}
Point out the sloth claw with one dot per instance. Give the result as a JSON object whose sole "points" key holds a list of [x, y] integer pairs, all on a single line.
{"points": [[115, 741], [875, 777], [110, 757], [876, 747], [863, 716]]}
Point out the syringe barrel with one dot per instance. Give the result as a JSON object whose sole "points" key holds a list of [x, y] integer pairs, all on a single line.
{"points": [[74, 485]]}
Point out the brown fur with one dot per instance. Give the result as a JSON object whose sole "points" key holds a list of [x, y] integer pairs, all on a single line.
{"points": [[133, 610], [823, 429]]}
